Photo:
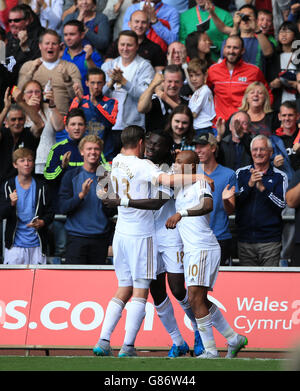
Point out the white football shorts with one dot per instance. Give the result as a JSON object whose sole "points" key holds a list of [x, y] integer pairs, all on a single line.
{"points": [[134, 258], [201, 267], [170, 259]]}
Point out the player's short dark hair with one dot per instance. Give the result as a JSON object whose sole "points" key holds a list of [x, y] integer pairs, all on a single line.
{"points": [[95, 71], [131, 135], [77, 23], [77, 112], [167, 139], [163, 134]]}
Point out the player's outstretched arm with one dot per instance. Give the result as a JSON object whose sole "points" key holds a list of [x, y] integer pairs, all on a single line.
{"points": [[179, 180], [149, 204]]}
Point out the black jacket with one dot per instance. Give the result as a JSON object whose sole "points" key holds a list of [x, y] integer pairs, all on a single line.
{"points": [[43, 209], [227, 152]]}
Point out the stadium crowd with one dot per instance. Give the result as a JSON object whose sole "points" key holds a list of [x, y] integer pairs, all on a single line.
{"points": [[220, 78]]}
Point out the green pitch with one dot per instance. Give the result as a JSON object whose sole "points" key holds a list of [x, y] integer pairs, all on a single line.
{"points": [[79, 363]]}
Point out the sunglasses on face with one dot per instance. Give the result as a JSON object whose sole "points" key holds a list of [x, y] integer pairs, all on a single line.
{"points": [[16, 20]]}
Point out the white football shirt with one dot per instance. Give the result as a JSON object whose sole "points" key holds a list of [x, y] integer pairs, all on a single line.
{"points": [[133, 178], [195, 231]]}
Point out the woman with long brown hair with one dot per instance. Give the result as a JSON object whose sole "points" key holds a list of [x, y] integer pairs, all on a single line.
{"points": [[180, 127]]}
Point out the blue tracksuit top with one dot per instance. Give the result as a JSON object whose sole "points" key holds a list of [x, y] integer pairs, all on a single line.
{"points": [[258, 214], [84, 217]]}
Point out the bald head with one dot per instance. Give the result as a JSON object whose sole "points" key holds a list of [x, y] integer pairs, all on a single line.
{"points": [[139, 23], [186, 162], [188, 157]]}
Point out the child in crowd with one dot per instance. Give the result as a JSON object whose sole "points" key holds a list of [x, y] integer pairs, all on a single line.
{"points": [[202, 101], [25, 204]]}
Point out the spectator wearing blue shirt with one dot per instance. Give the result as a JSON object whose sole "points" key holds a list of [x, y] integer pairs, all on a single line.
{"points": [[85, 57], [164, 22], [223, 195], [26, 206], [87, 226]]}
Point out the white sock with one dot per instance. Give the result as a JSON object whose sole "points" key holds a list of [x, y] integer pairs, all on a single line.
{"points": [[135, 316], [221, 324], [165, 312], [206, 332], [185, 305], [112, 317]]}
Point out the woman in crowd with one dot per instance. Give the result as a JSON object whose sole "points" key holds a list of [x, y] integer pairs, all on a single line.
{"points": [[256, 103], [96, 23], [180, 127], [49, 116], [127, 76], [198, 44], [282, 66]]}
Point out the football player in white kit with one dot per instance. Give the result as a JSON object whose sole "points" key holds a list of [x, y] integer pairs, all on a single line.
{"points": [[194, 202], [134, 244], [158, 147]]}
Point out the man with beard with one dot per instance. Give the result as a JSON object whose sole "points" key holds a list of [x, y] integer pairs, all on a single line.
{"points": [[257, 45], [229, 79]]}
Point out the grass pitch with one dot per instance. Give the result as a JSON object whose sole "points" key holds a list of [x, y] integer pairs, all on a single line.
{"points": [[80, 363]]}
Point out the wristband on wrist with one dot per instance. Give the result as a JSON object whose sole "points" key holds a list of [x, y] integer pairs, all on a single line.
{"points": [[124, 202], [52, 106], [183, 212]]}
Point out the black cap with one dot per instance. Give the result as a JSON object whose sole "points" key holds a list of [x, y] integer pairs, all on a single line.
{"points": [[204, 139]]}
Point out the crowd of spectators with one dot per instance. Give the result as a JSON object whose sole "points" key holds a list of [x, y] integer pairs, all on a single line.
{"points": [[222, 78]]}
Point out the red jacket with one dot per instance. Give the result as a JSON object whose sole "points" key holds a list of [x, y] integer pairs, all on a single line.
{"points": [[229, 90]]}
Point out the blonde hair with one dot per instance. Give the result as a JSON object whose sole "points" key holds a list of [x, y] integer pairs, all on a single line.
{"points": [[196, 65], [20, 153], [90, 138], [245, 105]]}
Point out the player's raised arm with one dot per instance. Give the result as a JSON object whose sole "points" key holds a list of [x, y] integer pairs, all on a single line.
{"points": [[147, 203], [179, 180]]}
